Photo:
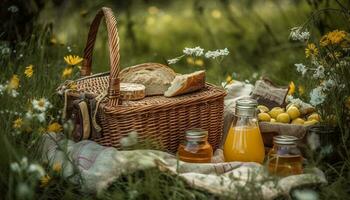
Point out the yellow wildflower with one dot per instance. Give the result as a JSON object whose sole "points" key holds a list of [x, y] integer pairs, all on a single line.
{"points": [[44, 181], [190, 60], [334, 55], [18, 123], [14, 82], [199, 62], [301, 90], [54, 127], [73, 60], [291, 88], [57, 167], [311, 50], [334, 37], [29, 71], [216, 14], [229, 79], [67, 72]]}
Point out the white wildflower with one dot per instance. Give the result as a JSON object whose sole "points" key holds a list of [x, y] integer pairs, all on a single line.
{"points": [[29, 115], [301, 68], [24, 162], [197, 51], [298, 34], [317, 97], [36, 169], [328, 84], [13, 9], [15, 167], [173, 61], [319, 72], [305, 194], [2, 89], [41, 105], [41, 117], [314, 141], [14, 93], [217, 53]]}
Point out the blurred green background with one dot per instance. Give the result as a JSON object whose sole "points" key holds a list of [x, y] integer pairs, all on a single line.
{"points": [[256, 32]]}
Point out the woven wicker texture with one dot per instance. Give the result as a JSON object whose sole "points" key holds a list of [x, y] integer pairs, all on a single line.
{"points": [[155, 118]]}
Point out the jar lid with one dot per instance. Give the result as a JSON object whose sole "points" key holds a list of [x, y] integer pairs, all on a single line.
{"points": [[285, 139], [246, 107], [196, 134]]}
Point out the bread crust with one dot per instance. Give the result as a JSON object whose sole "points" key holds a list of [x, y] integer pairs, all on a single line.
{"points": [[189, 83], [154, 76]]}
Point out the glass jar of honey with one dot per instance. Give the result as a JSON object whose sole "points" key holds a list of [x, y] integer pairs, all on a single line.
{"points": [[285, 158], [244, 141], [196, 148]]}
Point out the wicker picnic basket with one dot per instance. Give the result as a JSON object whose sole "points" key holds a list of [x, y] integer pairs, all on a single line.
{"points": [[155, 117]]}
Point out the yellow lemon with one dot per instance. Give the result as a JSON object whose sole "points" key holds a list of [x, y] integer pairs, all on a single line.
{"points": [[314, 116], [263, 109], [298, 121], [275, 112], [310, 122], [264, 117], [273, 120], [292, 104], [283, 118], [293, 112]]}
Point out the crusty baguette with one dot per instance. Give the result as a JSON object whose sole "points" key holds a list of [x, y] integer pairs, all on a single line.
{"points": [[186, 83], [155, 77]]}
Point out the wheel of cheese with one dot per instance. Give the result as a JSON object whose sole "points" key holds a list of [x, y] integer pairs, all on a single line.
{"points": [[132, 91]]}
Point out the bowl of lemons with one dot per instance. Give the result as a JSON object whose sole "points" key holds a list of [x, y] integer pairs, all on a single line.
{"points": [[291, 114]]}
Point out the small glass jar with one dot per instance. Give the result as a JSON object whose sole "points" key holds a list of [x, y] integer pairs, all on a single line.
{"points": [[285, 157], [196, 148]]}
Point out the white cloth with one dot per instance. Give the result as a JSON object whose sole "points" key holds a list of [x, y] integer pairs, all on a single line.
{"points": [[99, 166]]}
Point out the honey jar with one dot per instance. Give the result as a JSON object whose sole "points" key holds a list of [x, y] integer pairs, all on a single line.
{"points": [[196, 148], [285, 158]]}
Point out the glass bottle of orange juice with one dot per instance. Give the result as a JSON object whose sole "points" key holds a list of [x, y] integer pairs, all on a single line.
{"points": [[244, 142]]}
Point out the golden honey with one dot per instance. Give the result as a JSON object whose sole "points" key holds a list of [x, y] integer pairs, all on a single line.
{"points": [[196, 148], [284, 158]]}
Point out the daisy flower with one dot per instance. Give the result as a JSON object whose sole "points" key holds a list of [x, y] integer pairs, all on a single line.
{"points": [[41, 105]]}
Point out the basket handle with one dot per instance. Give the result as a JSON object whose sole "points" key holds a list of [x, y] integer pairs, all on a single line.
{"points": [[114, 56]]}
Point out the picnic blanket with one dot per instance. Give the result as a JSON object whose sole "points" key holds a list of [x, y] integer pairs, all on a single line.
{"points": [[100, 166]]}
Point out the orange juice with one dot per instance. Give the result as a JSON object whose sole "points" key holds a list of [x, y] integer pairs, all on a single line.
{"points": [[244, 143]]}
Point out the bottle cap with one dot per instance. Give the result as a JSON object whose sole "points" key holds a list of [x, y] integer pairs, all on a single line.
{"points": [[196, 135], [285, 139], [246, 107]]}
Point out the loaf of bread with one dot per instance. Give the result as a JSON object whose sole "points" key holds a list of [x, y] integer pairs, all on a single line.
{"points": [[154, 76], [186, 83], [132, 91]]}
